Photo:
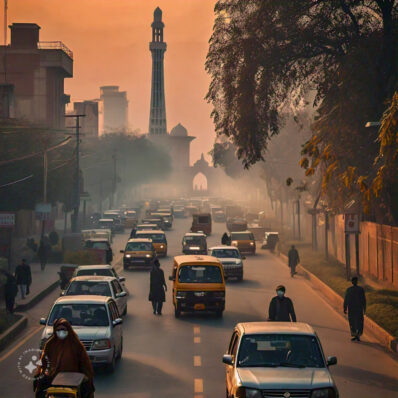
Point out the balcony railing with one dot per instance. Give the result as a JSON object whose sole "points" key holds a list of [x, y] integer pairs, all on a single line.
{"points": [[55, 45]]}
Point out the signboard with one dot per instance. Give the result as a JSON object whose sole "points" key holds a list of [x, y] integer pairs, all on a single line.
{"points": [[7, 220], [351, 223], [43, 211]]}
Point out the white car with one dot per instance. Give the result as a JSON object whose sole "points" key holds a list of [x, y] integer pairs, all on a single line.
{"points": [[231, 260], [100, 286], [97, 323], [277, 359], [100, 270]]}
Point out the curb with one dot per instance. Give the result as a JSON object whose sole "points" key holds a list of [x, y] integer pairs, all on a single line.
{"points": [[384, 338], [39, 296], [9, 335]]}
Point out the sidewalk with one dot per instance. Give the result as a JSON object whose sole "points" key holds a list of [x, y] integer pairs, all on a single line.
{"points": [[42, 283]]}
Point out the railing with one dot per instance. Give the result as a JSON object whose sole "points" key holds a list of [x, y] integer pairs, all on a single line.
{"points": [[55, 45]]}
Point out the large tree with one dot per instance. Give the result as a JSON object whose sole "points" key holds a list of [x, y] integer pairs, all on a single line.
{"points": [[267, 54]]}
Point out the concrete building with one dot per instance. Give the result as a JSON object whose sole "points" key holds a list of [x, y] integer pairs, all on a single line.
{"points": [[32, 77], [113, 110], [90, 123]]}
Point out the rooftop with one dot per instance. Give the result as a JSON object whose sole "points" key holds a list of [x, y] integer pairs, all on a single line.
{"points": [[82, 299], [276, 327]]}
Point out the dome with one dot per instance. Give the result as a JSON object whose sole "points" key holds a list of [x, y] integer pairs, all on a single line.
{"points": [[179, 131]]}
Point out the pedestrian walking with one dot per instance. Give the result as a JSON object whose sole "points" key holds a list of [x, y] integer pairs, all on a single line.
{"points": [[225, 239], [355, 304], [294, 259], [158, 288], [23, 276], [10, 291], [42, 253], [281, 308]]}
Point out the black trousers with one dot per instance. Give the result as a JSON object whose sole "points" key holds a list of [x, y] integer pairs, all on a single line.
{"points": [[355, 318], [157, 306], [10, 302]]}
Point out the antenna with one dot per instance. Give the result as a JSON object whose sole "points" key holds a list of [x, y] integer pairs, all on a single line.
{"points": [[5, 21]]}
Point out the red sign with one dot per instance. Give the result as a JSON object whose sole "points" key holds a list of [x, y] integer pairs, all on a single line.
{"points": [[351, 223]]}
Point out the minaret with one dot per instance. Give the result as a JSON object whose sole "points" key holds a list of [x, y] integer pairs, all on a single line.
{"points": [[157, 118]]}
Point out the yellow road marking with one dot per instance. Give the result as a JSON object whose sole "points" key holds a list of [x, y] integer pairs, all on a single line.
{"points": [[23, 341], [196, 330], [198, 385], [197, 360], [197, 340]]}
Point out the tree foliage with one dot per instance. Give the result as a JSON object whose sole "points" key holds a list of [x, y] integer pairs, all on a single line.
{"points": [[266, 55]]}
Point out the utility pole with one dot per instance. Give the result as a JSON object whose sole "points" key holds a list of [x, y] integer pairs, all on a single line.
{"points": [[75, 215]]}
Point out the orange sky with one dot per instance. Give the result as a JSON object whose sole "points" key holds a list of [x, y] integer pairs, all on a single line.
{"points": [[109, 39]]}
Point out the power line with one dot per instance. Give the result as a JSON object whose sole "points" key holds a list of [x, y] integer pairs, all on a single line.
{"points": [[17, 181]]}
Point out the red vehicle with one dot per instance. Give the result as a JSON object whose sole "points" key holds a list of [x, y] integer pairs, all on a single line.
{"points": [[201, 222]]}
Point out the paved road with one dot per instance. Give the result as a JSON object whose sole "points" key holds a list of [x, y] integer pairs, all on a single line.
{"points": [[170, 358]]}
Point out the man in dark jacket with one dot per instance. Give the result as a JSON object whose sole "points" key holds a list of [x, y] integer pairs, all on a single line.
{"points": [[157, 288], [355, 303], [225, 239], [281, 307], [10, 291], [294, 259], [23, 276]]}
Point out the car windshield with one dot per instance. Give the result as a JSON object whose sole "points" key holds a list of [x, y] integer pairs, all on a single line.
{"points": [[97, 245], [225, 253], [156, 238], [193, 240], [89, 287], [199, 274], [80, 314], [242, 236], [138, 247], [287, 350], [99, 272]]}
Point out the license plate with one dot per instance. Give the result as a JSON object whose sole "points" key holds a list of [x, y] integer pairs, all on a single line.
{"points": [[199, 307]]}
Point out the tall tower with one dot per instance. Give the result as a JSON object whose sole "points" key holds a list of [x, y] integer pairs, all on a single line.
{"points": [[157, 118]]}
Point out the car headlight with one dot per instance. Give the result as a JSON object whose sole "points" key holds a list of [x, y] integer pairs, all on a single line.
{"points": [[251, 243], [323, 393], [251, 393], [148, 255], [128, 255], [162, 246], [102, 344], [234, 243], [181, 295]]}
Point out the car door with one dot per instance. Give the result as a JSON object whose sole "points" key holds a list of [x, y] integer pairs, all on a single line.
{"points": [[232, 349], [115, 293], [123, 299], [116, 330]]}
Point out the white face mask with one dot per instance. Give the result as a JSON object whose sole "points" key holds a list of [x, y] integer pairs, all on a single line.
{"points": [[62, 334], [281, 293]]}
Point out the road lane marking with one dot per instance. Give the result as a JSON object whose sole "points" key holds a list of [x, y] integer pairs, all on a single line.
{"points": [[197, 340], [198, 386], [23, 341], [197, 360], [196, 330]]}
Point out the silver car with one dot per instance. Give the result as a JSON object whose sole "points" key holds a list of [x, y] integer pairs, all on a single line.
{"points": [[96, 321], [277, 359], [231, 260], [101, 286]]}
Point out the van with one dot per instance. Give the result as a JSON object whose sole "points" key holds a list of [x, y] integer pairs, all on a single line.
{"points": [[201, 222], [244, 241], [198, 285], [158, 239]]}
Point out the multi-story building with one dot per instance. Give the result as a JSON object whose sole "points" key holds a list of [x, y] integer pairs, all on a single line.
{"points": [[32, 77], [89, 123], [114, 110]]}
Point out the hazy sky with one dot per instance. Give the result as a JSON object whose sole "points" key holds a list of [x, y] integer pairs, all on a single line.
{"points": [[109, 39]]}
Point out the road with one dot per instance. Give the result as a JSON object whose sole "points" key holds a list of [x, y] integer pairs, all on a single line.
{"points": [[170, 358]]}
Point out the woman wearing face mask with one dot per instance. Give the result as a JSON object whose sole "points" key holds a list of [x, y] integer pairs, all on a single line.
{"points": [[63, 352], [281, 307]]}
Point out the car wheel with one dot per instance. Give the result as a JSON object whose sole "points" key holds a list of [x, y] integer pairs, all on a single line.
{"points": [[112, 365], [177, 311]]}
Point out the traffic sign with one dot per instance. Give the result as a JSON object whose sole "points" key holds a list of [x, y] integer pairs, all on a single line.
{"points": [[351, 223]]}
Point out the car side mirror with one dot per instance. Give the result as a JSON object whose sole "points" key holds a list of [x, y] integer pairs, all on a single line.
{"points": [[63, 292], [332, 361], [228, 359], [117, 321], [121, 294], [122, 279], [171, 278], [43, 321], [121, 251]]}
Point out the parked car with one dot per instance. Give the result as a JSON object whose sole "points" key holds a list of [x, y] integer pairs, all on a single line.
{"points": [[96, 321], [271, 239], [194, 243], [277, 359], [101, 286], [231, 260]]}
